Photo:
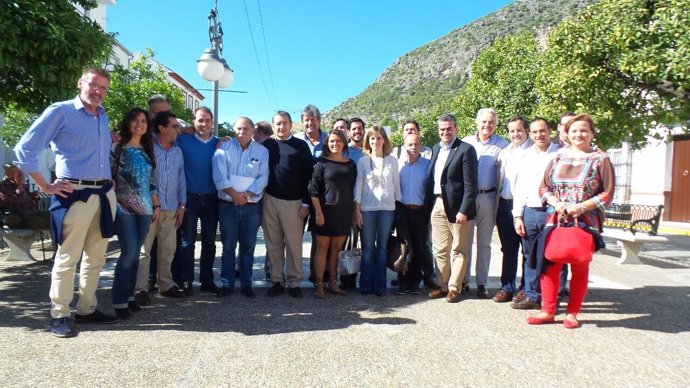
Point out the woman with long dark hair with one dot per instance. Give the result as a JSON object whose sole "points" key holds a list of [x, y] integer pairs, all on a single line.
{"points": [[331, 190], [133, 165]]}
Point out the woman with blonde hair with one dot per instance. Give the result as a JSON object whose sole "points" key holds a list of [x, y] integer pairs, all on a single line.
{"points": [[376, 189]]}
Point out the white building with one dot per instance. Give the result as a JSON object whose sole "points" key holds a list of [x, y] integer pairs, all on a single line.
{"points": [[120, 56], [658, 174]]}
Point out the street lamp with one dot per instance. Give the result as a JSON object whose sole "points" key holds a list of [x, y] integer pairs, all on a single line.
{"points": [[211, 66]]}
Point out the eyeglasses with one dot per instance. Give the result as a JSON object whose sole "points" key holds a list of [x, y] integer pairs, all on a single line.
{"points": [[94, 86]]}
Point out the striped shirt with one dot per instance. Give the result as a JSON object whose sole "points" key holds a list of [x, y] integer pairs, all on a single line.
{"points": [[170, 177]]}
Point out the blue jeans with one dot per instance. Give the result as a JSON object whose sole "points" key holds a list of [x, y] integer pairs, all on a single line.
{"points": [[202, 207], [131, 231], [534, 223], [510, 244], [238, 224], [376, 228]]}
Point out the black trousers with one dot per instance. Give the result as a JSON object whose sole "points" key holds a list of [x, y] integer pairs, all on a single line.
{"points": [[412, 225]]}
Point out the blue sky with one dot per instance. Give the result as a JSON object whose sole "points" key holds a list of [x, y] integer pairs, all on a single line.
{"points": [[320, 52]]}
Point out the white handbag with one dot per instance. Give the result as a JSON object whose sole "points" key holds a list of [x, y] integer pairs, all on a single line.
{"points": [[350, 258]]}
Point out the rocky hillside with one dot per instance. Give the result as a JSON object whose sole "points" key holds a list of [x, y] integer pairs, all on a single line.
{"points": [[420, 78]]}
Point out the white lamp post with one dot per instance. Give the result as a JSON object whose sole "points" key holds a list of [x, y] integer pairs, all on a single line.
{"points": [[211, 66]]}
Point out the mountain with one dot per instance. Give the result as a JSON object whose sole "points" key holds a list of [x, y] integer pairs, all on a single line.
{"points": [[421, 78]]}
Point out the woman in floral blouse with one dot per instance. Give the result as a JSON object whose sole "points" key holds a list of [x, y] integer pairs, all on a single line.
{"points": [[137, 203], [579, 183]]}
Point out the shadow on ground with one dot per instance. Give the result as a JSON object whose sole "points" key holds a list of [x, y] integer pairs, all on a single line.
{"points": [[24, 304]]}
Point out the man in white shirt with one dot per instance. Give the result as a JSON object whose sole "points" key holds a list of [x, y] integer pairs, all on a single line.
{"points": [[451, 194], [529, 211]]}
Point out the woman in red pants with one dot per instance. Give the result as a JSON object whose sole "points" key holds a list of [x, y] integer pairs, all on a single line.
{"points": [[579, 182]]}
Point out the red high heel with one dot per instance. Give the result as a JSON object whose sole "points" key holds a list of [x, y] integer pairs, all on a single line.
{"points": [[540, 321]]}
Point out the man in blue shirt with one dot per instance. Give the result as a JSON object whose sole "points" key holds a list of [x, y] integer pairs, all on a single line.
{"points": [[240, 172], [202, 204], [412, 222], [83, 201]]}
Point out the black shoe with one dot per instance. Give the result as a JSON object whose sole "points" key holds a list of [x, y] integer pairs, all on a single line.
{"points": [[248, 292], [187, 288], [61, 328], [123, 313], [173, 292], [414, 291], [224, 291], [142, 298], [275, 290], [526, 304], [133, 306], [95, 317], [152, 285], [268, 276], [295, 292], [465, 288], [395, 282], [401, 291], [482, 292], [209, 287]]}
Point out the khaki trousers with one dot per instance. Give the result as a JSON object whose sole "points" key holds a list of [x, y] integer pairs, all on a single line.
{"points": [[283, 228], [164, 229], [81, 232], [451, 247]]}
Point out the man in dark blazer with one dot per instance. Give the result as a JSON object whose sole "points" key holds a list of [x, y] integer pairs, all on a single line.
{"points": [[450, 199]]}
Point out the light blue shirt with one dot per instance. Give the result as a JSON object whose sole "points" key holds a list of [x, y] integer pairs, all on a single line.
{"points": [[354, 153], [316, 149], [230, 159], [413, 181], [170, 177], [487, 153], [81, 141]]}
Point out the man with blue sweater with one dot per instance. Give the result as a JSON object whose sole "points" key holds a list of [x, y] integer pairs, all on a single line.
{"points": [[202, 204]]}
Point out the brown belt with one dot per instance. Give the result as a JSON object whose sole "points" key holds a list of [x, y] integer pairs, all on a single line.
{"points": [[413, 207]]}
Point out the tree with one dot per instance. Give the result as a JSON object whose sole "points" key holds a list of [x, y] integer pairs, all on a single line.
{"points": [[45, 46], [132, 87], [627, 63], [502, 78]]}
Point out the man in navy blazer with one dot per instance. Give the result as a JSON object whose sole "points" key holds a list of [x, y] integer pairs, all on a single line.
{"points": [[450, 198]]}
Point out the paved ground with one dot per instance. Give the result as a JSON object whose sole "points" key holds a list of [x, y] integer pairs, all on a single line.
{"points": [[636, 332]]}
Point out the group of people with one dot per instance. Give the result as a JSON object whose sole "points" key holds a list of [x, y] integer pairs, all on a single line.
{"points": [[154, 182]]}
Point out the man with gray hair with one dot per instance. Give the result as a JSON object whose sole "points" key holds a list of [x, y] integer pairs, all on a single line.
{"points": [[312, 135], [487, 146]]}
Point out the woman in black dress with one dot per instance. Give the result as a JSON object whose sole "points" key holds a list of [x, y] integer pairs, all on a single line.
{"points": [[331, 190]]}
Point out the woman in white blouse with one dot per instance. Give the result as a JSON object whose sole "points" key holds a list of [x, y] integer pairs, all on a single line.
{"points": [[376, 190]]}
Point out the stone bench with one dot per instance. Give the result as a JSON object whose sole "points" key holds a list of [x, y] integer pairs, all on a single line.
{"points": [[631, 244], [19, 241], [624, 221]]}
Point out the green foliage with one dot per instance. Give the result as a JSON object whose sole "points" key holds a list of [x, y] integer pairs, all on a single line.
{"points": [[17, 121], [503, 79], [45, 45], [130, 88], [627, 63]]}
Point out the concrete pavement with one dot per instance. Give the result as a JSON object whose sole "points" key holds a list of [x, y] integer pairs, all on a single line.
{"points": [[636, 332]]}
